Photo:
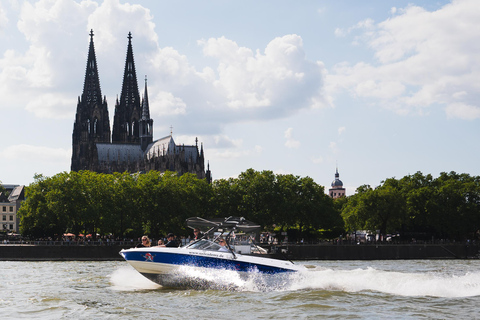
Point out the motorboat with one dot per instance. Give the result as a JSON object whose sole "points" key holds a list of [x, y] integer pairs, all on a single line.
{"points": [[167, 265]]}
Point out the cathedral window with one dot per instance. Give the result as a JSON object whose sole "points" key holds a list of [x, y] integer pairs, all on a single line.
{"points": [[95, 122], [88, 126], [135, 128]]}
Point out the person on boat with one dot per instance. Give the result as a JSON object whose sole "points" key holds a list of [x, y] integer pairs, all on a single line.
{"points": [[160, 243], [145, 242], [223, 245], [171, 242], [196, 234]]}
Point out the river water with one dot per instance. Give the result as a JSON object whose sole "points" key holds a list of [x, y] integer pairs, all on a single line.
{"points": [[406, 289]]}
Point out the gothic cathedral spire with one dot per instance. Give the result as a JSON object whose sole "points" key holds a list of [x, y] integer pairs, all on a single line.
{"points": [[91, 87], [92, 123], [145, 123], [127, 109]]}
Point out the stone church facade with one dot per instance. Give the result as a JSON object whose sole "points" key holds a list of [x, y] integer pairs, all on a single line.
{"points": [[130, 146]]}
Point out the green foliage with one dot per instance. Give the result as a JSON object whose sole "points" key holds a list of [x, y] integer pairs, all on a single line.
{"points": [[2, 189], [154, 203], [280, 202], [418, 206], [129, 205]]}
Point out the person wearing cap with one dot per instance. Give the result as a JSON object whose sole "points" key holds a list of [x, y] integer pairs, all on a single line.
{"points": [[171, 242]]}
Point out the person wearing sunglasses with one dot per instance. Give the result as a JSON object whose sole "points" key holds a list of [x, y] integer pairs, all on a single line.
{"points": [[145, 242], [196, 233], [223, 245]]}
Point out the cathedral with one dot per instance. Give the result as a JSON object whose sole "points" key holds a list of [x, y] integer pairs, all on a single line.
{"points": [[129, 146]]}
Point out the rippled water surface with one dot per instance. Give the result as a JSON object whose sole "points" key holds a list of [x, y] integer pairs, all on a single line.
{"points": [[427, 289]]}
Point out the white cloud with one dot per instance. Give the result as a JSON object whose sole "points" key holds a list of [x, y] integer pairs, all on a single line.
{"points": [[223, 141], [270, 79], [229, 154], [40, 154], [463, 111], [244, 85], [273, 83], [3, 19], [291, 143], [333, 146], [341, 130], [52, 105], [48, 28], [113, 21], [317, 160], [366, 24], [423, 59], [165, 103], [56, 38]]}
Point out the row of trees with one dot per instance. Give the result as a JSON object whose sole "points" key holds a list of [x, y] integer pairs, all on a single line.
{"points": [[129, 205], [417, 206]]}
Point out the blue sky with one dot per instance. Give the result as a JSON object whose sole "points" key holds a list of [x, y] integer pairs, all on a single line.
{"points": [[378, 88]]}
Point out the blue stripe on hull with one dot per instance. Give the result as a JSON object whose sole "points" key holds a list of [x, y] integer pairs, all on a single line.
{"points": [[201, 261]]}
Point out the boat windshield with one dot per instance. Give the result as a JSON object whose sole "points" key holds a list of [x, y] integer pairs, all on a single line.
{"points": [[204, 245]]}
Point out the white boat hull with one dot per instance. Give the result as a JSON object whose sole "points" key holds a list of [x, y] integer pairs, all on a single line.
{"points": [[162, 265]]}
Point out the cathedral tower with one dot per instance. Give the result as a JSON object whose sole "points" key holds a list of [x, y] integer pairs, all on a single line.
{"points": [[128, 110], [145, 124], [130, 147], [92, 124]]}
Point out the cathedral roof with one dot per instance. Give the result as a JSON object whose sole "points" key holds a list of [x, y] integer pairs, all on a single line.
{"points": [[166, 145], [191, 152], [119, 152], [160, 147]]}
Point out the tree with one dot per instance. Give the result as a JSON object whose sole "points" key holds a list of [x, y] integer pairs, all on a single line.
{"points": [[375, 209], [2, 188]]}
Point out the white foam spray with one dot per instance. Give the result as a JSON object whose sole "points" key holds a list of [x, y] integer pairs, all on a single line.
{"points": [[434, 284], [390, 282], [127, 278]]}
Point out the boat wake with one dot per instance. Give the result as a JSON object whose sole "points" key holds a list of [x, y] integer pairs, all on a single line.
{"points": [[434, 284], [368, 280]]}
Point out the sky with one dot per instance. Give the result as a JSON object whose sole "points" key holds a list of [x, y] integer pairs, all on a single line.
{"points": [[378, 89]]}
